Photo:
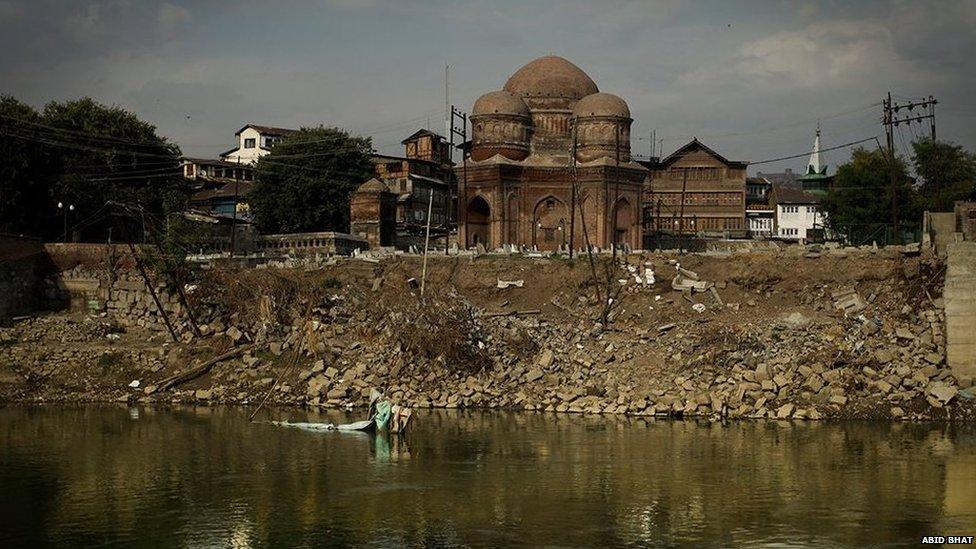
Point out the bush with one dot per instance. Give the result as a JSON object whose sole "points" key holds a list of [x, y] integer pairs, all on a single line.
{"points": [[447, 330]]}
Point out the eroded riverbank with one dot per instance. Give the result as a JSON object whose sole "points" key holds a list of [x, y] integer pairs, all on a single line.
{"points": [[769, 342]]}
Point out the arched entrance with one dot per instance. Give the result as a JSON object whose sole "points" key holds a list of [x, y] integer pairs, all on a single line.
{"points": [[477, 223], [622, 222], [550, 222]]}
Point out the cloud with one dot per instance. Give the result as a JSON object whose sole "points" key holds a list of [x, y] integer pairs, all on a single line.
{"points": [[822, 51], [721, 71], [87, 24], [171, 19]]}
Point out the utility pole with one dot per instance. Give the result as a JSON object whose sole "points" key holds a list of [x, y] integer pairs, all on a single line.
{"points": [[572, 205], [430, 210], [681, 214], [890, 119], [233, 226], [461, 132], [890, 143], [616, 191], [448, 111]]}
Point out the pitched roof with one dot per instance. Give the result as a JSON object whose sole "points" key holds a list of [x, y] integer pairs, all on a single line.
{"points": [[420, 133], [214, 162], [696, 144], [376, 157], [268, 130], [227, 191], [792, 195], [373, 185]]}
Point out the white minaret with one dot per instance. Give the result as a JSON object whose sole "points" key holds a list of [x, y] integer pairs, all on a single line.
{"points": [[814, 162]]}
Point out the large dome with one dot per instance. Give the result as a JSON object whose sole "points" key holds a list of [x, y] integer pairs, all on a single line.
{"points": [[602, 104], [500, 102], [551, 76]]}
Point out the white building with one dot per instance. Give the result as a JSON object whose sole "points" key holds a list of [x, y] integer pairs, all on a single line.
{"points": [[797, 214], [253, 142], [797, 206], [760, 214]]}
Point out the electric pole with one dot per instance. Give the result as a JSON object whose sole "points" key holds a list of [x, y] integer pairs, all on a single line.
{"points": [[891, 119], [461, 132], [233, 226], [572, 204], [681, 215]]}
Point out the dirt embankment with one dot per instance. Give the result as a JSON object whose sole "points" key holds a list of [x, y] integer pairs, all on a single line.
{"points": [[769, 341]]}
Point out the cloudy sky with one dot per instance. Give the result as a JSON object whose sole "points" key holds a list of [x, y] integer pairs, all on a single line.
{"points": [[750, 78]]}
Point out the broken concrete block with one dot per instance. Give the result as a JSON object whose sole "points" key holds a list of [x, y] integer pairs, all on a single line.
{"points": [[785, 411], [546, 359]]}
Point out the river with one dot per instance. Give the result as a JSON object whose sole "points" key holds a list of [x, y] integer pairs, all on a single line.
{"points": [[199, 477]]}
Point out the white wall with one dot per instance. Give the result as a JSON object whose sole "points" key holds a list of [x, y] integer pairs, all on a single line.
{"points": [[247, 155], [793, 220], [760, 226]]}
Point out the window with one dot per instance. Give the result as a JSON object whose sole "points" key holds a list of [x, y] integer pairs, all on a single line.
{"points": [[270, 142], [249, 143]]}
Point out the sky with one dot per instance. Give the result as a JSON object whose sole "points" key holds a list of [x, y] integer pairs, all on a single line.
{"points": [[748, 78]]}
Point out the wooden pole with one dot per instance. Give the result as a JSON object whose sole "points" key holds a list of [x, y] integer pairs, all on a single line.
{"points": [[681, 215], [179, 289], [423, 276], [152, 292], [572, 204]]}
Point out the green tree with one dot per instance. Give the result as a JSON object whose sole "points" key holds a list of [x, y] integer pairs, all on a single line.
{"points": [[859, 203], [26, 172], [305, 182], [947, 173], [106, 153]]}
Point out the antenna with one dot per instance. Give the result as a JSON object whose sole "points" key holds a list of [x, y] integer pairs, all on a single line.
{"points": [[447, 99]]}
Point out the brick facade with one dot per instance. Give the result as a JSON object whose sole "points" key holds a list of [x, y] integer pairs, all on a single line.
{"points": [[549, 127]]}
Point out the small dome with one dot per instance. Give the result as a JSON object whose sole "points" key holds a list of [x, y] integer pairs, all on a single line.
{"points": [[601, 104], [551, 76], [500, 102]]}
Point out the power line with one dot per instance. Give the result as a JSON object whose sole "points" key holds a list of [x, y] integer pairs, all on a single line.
{"points": [[808, 153]]}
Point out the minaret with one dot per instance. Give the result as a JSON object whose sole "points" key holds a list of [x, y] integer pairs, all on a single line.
{"points": [[813, 166]]}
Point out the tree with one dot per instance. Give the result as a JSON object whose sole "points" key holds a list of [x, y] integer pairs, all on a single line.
{"points": [[108, 154], [305, 182], [947, 173], [26, 172], [859, 202]]}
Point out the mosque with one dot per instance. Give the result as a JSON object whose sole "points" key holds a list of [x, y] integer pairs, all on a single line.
{"points": [[548, 127]]}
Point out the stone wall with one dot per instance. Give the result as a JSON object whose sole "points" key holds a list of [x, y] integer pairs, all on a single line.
{"points": [[966, 219], [22, 264]]}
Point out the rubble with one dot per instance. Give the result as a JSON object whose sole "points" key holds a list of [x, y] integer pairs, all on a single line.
{"points": [[793, 354]]}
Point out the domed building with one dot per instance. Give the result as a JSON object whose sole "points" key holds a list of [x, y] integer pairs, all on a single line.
{"points": [[518, 185]]}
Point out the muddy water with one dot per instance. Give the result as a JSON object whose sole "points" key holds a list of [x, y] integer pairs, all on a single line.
{"points": [[120, 477]]}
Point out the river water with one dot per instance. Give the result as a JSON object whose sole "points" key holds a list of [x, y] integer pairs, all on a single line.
{"points": [[196, 477]]}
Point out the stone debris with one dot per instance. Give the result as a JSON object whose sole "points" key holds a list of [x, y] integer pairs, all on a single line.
{"points": [[813, 359], [504, 284], [848, 300]]}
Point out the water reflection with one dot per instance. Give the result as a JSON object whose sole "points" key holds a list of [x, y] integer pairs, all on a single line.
{"points": [[206, 477]]}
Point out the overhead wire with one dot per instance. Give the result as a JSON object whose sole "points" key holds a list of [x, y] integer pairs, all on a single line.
{"points": [[800, 155]]}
